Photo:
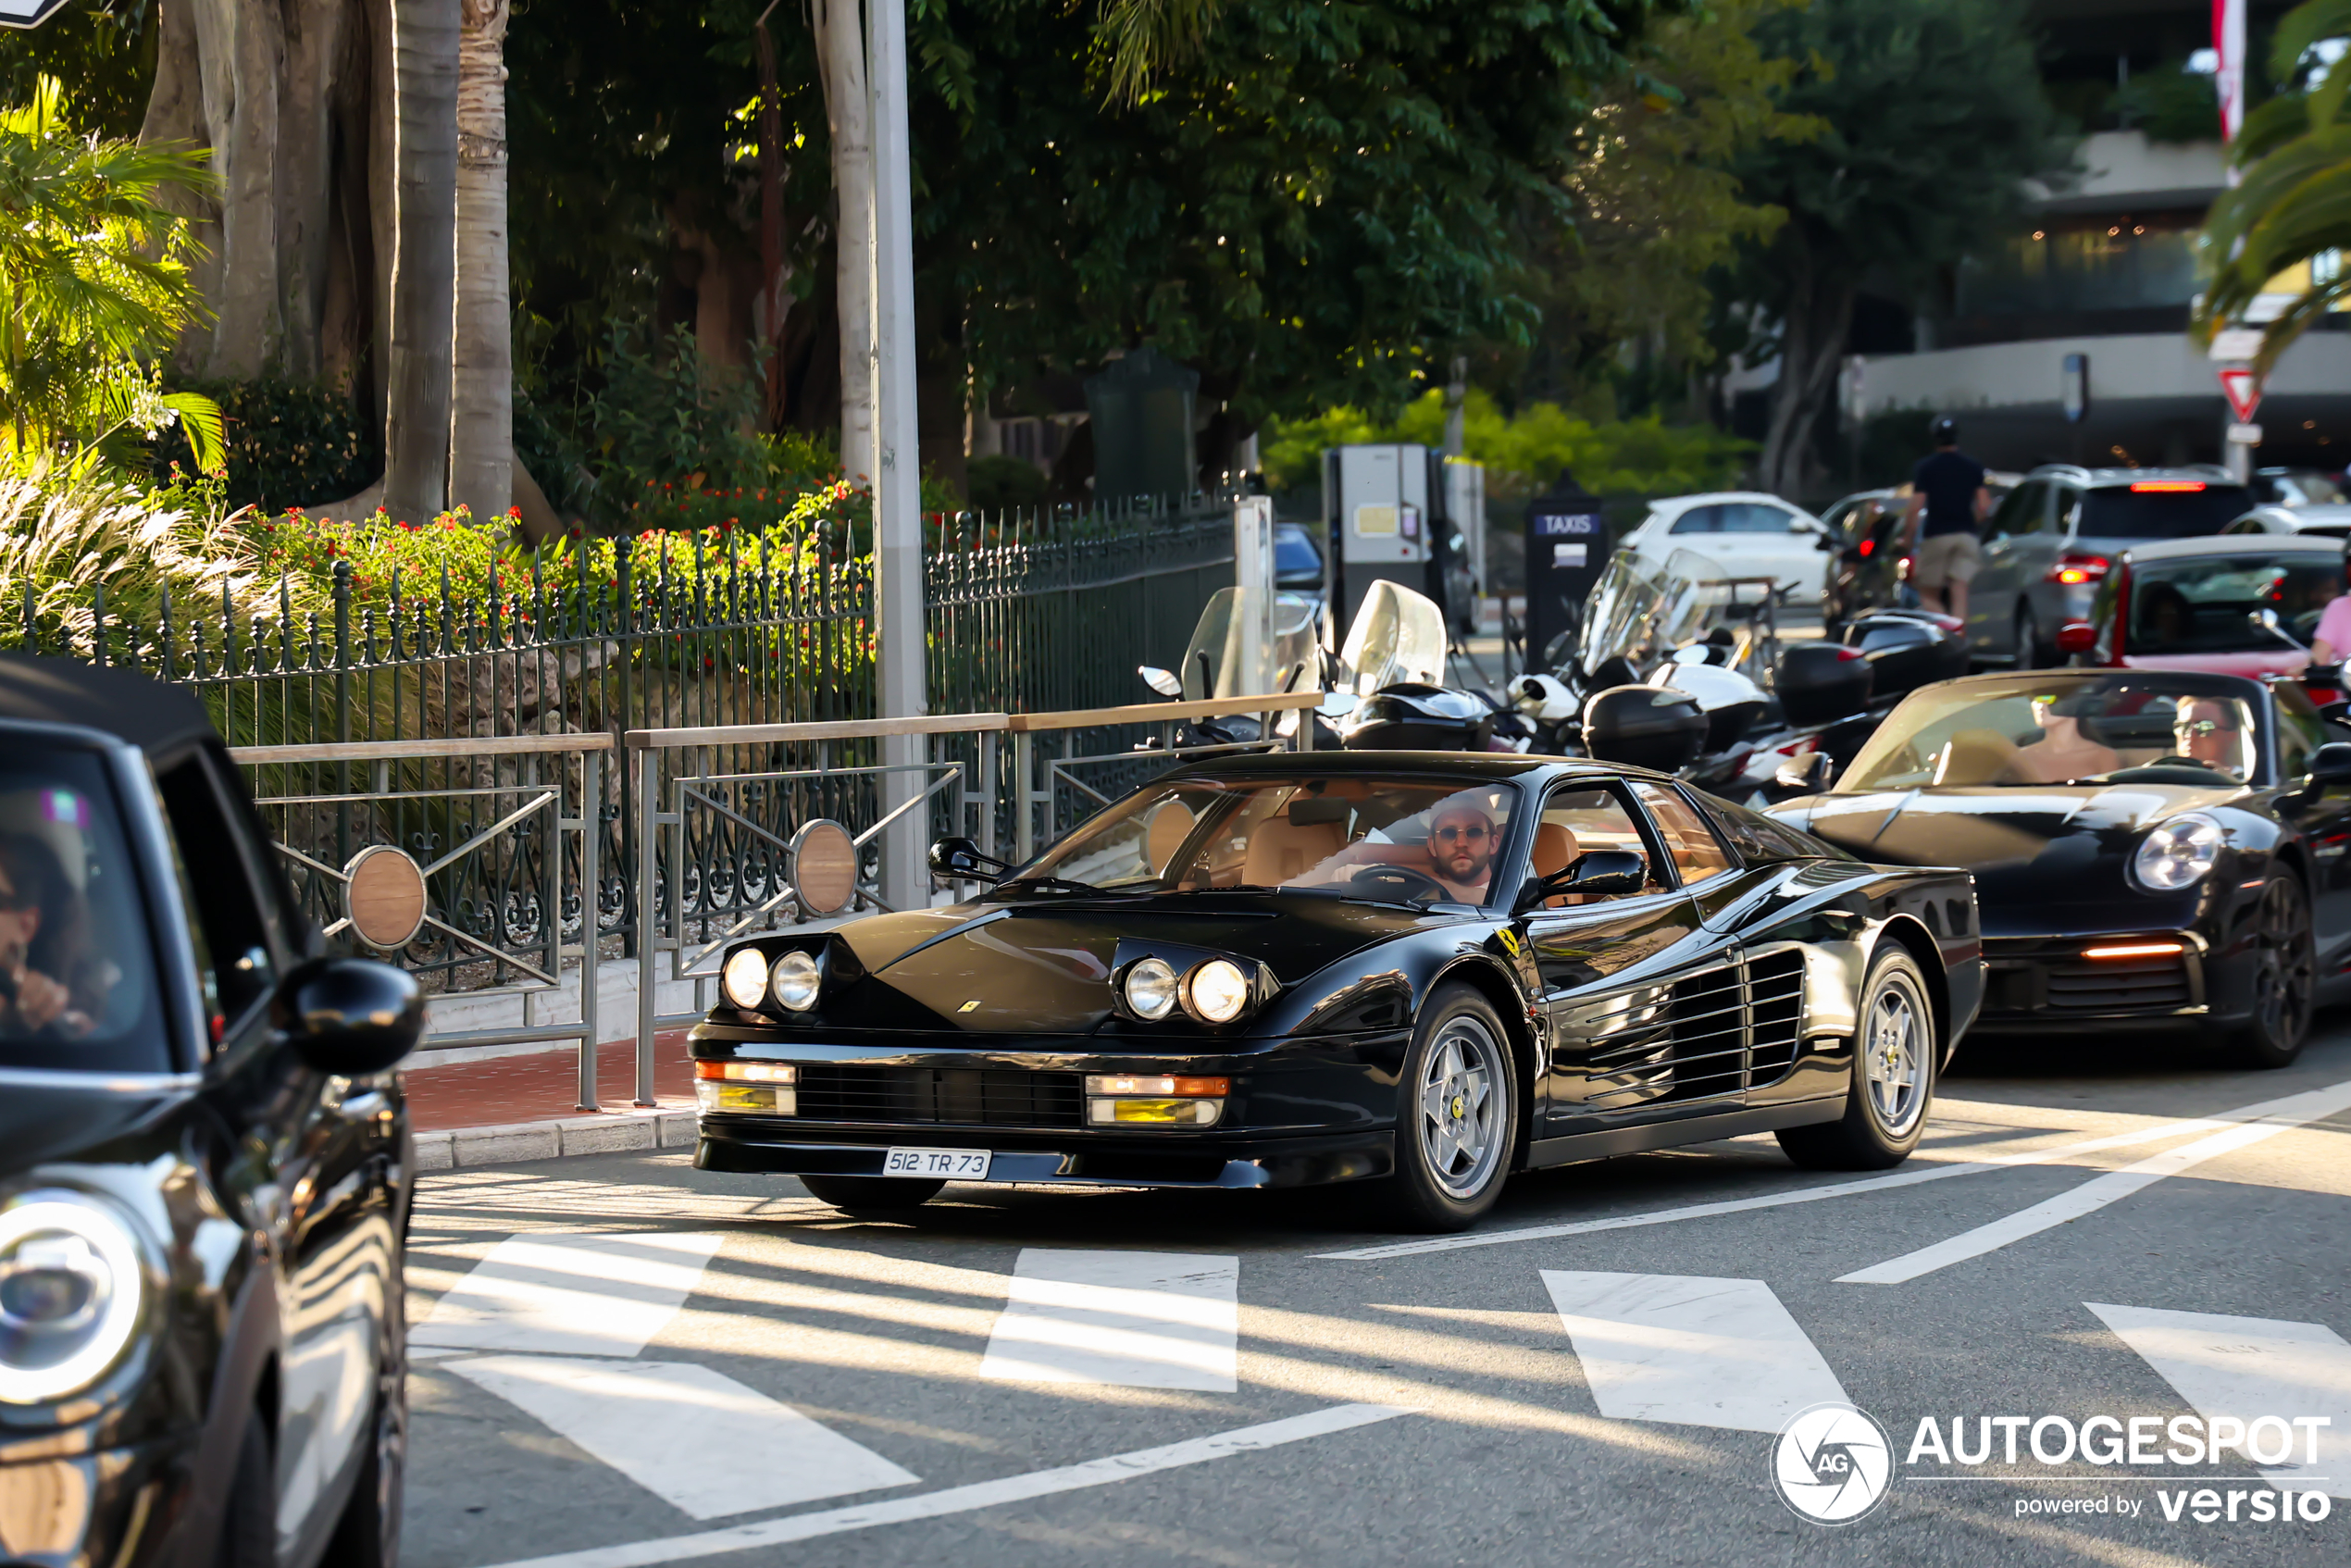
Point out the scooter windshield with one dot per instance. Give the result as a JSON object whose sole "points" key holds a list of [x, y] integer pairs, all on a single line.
{"points": [[1398, 636], [1640, 611], [1222, 660]]}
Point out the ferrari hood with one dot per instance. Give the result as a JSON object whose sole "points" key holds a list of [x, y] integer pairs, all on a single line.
{"points": [[1991, 830], [1045, 968]]}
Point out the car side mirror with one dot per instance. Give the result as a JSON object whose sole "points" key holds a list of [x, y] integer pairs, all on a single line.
{"points": [[1167, 682], [2331, 763], [1599, 873], [349, 1016], [962, 859], [1807, 775], [2076, 637]]}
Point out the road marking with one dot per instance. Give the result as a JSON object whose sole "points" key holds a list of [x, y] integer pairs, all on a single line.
{"points": [[1143, 1320], [2249, 1367], [1690, 1351], [695, 1437], [570, 1294], [2254, 1124], [964, 1499], [1812, 1194]]}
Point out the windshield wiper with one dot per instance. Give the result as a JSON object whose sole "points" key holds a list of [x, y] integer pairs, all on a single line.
{"points": [[1055, 884]]}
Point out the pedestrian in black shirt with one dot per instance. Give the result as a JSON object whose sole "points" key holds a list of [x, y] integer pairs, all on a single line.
{"points": [[1947, 485]]}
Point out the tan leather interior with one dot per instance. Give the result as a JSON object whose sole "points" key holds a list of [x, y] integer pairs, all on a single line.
{"points": [[1555, 850], [1172, 823], [1282, 850], [1976, 757]]}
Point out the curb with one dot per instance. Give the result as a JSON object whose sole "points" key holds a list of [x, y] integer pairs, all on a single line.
{"points": [[569, 1137]]}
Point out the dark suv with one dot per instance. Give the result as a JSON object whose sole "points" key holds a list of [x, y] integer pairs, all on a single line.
{"points": [[2056, 535]]}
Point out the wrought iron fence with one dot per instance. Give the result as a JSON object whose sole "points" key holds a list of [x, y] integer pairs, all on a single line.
{"points": [[1025, 613]]}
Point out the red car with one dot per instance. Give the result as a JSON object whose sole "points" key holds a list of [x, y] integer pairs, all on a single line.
{"points": [[2197, 604]]}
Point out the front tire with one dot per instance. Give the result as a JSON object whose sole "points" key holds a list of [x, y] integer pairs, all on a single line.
{"points": [[367, 1534], [2284, 976], [871, 1195], [1457, 1116], [249, 1519], [1894, 1055]]}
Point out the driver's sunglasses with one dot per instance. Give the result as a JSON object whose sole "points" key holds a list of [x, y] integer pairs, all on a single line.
{"points": [[1473, 834], [2198, 728]]}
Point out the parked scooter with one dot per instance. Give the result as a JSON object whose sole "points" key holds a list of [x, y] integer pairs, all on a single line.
{"points": [[1215, 664]]}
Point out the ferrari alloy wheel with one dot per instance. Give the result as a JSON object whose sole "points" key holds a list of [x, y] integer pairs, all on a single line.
{"points": [[2284, 972], [1458, 1125], [870, 1195], [1895, 1052]]}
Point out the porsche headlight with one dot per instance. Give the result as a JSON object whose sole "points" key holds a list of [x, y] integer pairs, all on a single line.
{"points": [[2177, 853], [1150, 989], [1217, 990], [745, 979], [794, 980], [71, 1290]]}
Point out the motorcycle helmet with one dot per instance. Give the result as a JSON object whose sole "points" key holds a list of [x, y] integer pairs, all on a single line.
{"points": [[1820, 682], [1905, 653], [1653, 727], [1544, 698], [1732, 703], [1944, 431], [1411, 717]]}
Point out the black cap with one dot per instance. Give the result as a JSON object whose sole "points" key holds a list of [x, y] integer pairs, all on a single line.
{"points": [[1946, 431]]}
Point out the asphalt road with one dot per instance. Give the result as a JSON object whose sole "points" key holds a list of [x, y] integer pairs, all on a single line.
{"points": [[640, 1364]]}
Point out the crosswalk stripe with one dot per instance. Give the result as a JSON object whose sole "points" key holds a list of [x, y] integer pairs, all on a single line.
{"points": [[693, 1437], [2249, 1367], [570, 1294], [1690, 1351], [2263, 1121], [1144, 1320]]}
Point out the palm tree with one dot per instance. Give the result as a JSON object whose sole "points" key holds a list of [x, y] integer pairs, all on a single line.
{"points": [[2293, 199], [481, 428], [94, 280], [424, 266]]}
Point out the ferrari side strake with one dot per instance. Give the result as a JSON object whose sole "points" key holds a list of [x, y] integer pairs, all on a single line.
{"points": [[1425, 969]]}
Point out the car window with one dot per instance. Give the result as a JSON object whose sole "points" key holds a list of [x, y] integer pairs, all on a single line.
{"points": [[1734, 517], [1576, 822], [222, 898], [1697, 852], [2160, 509], [77, 978], [2021, 512], [2060, 726], [1762, 841], [2300, 730], [2198, 603]]}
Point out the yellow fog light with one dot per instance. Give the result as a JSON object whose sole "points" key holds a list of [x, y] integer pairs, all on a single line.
{"points": [[1155, 1112], [758, 1099]]}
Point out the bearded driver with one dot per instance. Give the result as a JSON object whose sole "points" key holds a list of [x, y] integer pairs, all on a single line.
{"points": [[1460, 849]]}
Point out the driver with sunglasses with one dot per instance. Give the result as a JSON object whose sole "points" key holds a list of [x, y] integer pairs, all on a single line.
{"points": [[1460, 849]]}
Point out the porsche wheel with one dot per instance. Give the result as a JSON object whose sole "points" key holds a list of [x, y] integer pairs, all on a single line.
{"points": [[870, 1195], [2285, 975], [1457, 1122], [1894, 1053]]}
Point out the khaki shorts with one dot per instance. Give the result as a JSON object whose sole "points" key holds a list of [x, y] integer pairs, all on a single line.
{"points": [[1946, 559]]}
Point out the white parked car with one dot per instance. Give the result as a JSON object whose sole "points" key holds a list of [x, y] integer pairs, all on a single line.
{"points": [[2328, 522], [1747, 533]]}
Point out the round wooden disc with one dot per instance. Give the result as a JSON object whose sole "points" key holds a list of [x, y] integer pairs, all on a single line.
{"points": [[385, 897], [823, 867]]}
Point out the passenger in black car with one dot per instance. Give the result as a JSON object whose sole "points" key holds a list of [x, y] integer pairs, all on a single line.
{"points": [[46, 973]]}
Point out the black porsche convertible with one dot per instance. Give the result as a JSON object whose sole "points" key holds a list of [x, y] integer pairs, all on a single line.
{"points": [[1280, 970], [2150, 847]]}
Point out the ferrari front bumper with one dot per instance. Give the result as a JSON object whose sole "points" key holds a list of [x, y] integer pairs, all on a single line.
{"points": [[745, 1143]]}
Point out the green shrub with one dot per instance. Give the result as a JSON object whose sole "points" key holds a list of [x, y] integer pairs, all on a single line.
{"points": [[1000, 483], [2171, 105], [289, 443]]}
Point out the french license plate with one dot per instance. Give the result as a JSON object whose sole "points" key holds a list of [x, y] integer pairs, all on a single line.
{"points": [[953, 1165]]}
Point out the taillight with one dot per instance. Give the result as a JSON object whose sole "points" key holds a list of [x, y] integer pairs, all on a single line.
{"points": [[1868, 545], [2073, 570]]}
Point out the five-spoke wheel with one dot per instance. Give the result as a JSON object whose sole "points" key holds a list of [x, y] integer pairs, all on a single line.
{"points": [[1457, 1129]]}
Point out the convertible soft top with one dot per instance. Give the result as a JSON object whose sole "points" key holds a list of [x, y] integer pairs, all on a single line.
{"points": [[156, 718]]}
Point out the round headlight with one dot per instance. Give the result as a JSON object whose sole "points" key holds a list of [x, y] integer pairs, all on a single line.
{"points": [[794, 980], [1219, 990], [71, 1294], [745, 979], [2177, 853], [1150, 989]]}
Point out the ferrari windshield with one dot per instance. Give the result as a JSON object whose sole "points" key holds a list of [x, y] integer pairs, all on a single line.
{"points": [[1410, 841], [2053, 728]]}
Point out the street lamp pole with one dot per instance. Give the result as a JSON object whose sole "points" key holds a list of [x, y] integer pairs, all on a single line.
{"points": [[898, 506]]}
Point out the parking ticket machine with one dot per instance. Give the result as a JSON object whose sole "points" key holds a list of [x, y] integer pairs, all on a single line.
{"points": [[1376, 506]]}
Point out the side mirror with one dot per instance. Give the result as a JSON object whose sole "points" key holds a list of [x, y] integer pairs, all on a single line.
{"points": [[2076, 637], [350, 1016], [1601, 872], [960, 860], [1167, 682], [1807, 775], [2331, 763]]}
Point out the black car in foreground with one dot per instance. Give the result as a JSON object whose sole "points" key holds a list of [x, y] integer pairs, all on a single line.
{"points": [[2150, 847], [204, 1161], [1279, 970]]}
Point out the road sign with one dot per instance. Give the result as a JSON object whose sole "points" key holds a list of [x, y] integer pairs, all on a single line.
{"points": [[2073, 386], [2238, 344], [28, 13], [2243, 390], [2246, 435]]}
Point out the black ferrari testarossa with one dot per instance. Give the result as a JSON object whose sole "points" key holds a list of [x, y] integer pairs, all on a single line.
{"points": [[2150, 847], [1280, 970]]}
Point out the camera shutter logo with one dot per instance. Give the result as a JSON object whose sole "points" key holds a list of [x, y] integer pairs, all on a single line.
{"points": [[1832, 1463]]}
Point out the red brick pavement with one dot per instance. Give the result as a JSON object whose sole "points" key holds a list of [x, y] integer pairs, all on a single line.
{"points": [[543, 1087]]}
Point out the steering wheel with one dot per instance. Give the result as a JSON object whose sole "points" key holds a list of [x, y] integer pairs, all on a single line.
{"points": [[1399, 882]]}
